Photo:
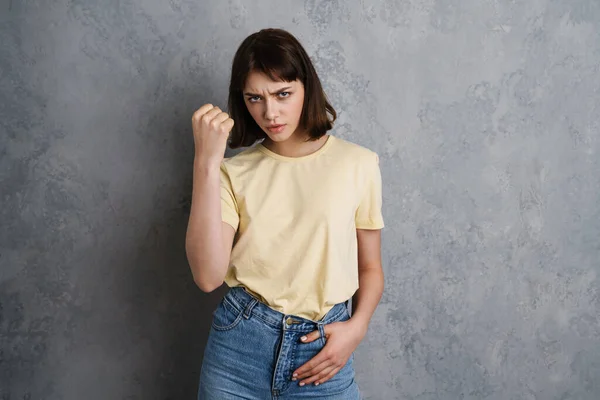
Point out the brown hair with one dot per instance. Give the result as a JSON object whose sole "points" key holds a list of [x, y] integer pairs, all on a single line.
{"points": [[280, 56]]}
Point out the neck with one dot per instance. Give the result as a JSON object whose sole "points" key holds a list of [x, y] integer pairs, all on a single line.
{"points": [[295, 146]]}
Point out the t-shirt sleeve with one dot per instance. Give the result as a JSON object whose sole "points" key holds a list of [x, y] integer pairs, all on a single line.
{"points": [[368, 213], [229, 207]]}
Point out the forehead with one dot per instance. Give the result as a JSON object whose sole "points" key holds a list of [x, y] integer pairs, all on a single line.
{"points": [[258, 81]]}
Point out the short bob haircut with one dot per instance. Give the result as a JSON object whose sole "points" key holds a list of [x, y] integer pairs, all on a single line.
{"points": [[280, 56]]}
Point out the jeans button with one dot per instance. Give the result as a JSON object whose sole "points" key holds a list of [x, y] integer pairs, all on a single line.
{"points": [[289, 321]]}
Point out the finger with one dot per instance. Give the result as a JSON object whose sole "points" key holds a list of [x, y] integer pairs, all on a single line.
{"points": [[227, 125], [321, 376], [202, 110], [314, 370], [310, 364], [330, 375], [219, 119], [213, 112], [318, 375], [311, 337]]}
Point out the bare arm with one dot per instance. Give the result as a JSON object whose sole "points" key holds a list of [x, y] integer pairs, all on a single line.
{"points": [[208, 240], [370, 275]]}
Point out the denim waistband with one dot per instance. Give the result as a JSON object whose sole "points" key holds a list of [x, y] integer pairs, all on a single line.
{"points": [[244, 302]]}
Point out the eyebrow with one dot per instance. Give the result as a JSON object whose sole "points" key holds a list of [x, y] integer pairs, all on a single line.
{"points": [[278, 91]]}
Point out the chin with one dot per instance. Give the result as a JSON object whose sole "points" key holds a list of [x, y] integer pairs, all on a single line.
{"points": [[282, 137]]}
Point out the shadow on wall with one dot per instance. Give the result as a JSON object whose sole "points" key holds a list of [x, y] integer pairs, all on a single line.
{"points": [[168, 296]]}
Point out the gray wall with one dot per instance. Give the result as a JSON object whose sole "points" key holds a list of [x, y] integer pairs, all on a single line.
{"points": [[486, 118]]}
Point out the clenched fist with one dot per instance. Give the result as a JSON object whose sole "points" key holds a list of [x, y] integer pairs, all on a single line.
{"points": [[211, 129]]}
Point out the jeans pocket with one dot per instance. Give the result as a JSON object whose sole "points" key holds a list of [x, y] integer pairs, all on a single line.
{"points": [[226, 316]]}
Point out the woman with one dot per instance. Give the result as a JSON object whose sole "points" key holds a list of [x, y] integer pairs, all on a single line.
{"points": [[291, 224]]}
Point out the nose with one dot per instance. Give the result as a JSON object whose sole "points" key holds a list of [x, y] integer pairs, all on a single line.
{"points": [[271, 111]]}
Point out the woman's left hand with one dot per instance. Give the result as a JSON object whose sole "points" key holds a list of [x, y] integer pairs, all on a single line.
{"points": [[342, 339]]}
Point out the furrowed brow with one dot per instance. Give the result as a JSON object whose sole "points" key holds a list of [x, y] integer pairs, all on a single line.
{"points": [[249, 94]]}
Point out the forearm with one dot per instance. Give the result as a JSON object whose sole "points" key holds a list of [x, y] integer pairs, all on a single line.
{"points": [[204, 243], [368, 295]]}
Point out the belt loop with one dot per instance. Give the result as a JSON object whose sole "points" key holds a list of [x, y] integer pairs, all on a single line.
{"points": [[249, 307], [320, 326]]}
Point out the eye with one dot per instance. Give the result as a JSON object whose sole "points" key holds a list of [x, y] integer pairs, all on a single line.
{"points": [[287, 94], [253, 99]]}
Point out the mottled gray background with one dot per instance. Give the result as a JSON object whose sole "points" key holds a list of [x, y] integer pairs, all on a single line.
{"points": [[486, 118]]}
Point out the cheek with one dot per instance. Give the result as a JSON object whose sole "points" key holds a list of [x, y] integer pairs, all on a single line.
{"points": [[297, 107]]}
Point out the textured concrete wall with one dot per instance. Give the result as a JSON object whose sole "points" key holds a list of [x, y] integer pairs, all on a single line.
{"points": [[486, 118]]}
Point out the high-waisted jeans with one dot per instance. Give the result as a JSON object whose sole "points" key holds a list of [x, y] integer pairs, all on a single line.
{"points": [[252, 351]]}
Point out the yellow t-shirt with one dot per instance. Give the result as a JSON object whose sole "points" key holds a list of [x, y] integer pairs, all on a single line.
{"points": [[296, 220]]}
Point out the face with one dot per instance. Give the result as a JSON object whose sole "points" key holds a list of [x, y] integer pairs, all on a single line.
{"points": [[275, 106]]}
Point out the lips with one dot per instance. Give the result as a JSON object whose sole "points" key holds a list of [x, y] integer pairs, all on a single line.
{"points": [[275, 128]]}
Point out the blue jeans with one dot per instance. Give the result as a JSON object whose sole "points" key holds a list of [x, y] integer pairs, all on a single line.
{"points": [[252, 351]]}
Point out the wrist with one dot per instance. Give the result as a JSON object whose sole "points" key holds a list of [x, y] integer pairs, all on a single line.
{"points": [[360, 324], [205, 164]]}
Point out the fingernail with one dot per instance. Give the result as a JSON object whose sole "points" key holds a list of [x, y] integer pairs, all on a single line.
{"points": [[303, 338], [301, 383], [294, 379], [295, 375], [316, 383]]}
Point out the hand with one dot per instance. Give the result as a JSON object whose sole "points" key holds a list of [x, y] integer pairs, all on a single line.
{"points": [[211, 128], [342, 339]]}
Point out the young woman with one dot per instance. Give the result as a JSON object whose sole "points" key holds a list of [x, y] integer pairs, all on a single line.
{"points": [[291, 224]]}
